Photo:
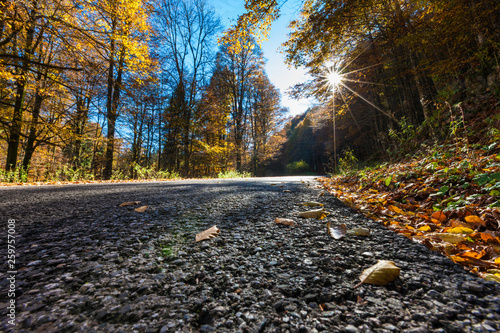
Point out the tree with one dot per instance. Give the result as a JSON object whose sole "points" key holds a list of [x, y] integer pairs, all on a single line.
{"points": [[119, 29], [242, 68], [186, 30], [213, 122], [33, 35], [419, 54], [265, 116]]}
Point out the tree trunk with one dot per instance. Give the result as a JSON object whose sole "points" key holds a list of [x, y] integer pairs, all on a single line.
{"points": [[30, 145], [17, 117], [82, 107], [112, 111]]}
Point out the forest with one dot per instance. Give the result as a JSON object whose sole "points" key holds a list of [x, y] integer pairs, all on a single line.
{"points": [[122, 89]]}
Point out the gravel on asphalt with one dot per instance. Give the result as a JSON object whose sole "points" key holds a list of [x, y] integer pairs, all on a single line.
{"points": [[85, 264]]}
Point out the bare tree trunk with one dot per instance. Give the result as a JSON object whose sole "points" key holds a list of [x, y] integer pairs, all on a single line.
{"points": [[17, 117], [114, 87], [30, 145]]}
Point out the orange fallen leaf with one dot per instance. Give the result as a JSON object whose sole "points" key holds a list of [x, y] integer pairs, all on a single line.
{"points": [[463, 247], [473, 254], [396, 209], [457, 223], [475, 220], [486, 237], [471, 261], [141, 209], [130, 203], [439, 215]]}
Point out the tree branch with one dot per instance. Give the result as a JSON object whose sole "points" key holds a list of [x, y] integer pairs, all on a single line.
{"points": [[13, 56]]}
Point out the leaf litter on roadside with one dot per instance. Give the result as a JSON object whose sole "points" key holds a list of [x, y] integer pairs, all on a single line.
{"points": [[448, 202]]}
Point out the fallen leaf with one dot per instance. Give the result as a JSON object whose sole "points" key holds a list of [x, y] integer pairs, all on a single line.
{"points": [[396, 209], [439, 215], [207, 234], [450, 238], [471, 261], [130, 203], [314, 214], [312, 204], [381, 273], [359, 232], [424, 228], [460, 230], [475, 220], [336, 232], [491, 277], [141, 209], [486, 237], [283, 221], [473, 254]]}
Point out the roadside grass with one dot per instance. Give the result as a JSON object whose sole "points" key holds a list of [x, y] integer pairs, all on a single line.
{"points": [[233, 174], [65, 174], [447, 197]]}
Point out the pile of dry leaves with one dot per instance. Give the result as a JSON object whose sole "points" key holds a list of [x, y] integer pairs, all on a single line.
{"points": [[448, 200]]}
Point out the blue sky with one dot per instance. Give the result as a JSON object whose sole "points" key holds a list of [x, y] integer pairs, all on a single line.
{"points": [[280, 75]]}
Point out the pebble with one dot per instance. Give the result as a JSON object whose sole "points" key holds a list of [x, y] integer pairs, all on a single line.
{"points": [[351, 329]]}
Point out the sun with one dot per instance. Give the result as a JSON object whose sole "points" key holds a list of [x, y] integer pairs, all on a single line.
{"points": [[334, 78]]}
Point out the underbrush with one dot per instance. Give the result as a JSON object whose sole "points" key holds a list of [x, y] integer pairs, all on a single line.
{"points": [[67, 173], [233, 174]]}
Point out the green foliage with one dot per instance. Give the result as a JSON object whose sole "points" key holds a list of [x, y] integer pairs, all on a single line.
{"points": [[118, 175], [297, 167], [348, 164], [66, 172], [19, 175], [233, 174], [151, 173], [403, 138]]}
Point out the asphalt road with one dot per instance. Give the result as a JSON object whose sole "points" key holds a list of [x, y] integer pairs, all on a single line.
{"points": [[83, 263]]}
